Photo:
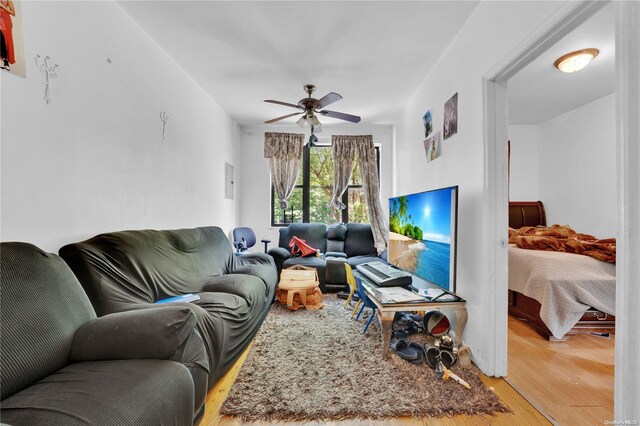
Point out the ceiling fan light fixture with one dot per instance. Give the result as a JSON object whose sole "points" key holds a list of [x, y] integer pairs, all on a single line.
{"points": [[309, 107], [575, 61]]}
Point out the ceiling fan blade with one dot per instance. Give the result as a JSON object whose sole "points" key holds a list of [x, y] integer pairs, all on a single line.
{"points": [[341, 116], [282, 103], [273, 120], [328, 99]]}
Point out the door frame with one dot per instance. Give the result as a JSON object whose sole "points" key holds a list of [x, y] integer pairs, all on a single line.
{"points": [[495, 185], [495, 217]]}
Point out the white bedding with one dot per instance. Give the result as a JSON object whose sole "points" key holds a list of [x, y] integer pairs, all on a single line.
{"points": [[565, 284]]}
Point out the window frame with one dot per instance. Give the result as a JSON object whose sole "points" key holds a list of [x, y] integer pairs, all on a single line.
{"points": [[306, 187]]}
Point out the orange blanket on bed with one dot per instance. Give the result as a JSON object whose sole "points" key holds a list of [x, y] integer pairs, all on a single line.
{"points": [[564, 239]]}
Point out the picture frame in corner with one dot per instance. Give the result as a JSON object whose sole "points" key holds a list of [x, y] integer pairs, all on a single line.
{"points": [[450, 122]]}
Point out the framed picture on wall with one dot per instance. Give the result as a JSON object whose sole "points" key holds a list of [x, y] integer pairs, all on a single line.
{"points": [[11, 38], [432, 146], [450, 126], [427, 121]]}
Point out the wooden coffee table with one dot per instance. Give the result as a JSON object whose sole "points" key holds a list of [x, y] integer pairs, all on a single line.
{"points": [[454, 308]]}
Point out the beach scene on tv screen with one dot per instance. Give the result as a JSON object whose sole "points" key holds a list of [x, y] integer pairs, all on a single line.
{"points": [[420, 234]]}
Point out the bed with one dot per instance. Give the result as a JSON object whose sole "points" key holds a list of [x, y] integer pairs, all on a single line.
{"points": [[559, 294]]}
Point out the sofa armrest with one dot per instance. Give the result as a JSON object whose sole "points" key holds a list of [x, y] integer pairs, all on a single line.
{"points": [[279, 255], [335, 254], [154, 333], [279, 252], [259, 265], [254, 259]]}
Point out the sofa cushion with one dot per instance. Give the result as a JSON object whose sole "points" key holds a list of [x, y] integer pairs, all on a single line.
{"points": [[314, 234], [42, 307], [250, 288], [126, 392], [336, 234], [359, 241], [311, 261], [337, 231]]}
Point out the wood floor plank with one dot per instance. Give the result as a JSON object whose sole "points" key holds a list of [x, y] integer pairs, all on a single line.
{"points": [[573, 380]]}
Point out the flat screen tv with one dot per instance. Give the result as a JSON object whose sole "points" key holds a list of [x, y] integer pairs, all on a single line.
{"points": [[422, 235]]}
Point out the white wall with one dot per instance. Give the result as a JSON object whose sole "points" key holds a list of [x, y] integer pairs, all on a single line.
{"points": [[578, 168], [569, 164], [491, 33], [94, 160], [254, 177], [524, 162]]}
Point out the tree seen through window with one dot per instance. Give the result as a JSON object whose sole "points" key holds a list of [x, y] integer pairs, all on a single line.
{"points": [[314, 190]]}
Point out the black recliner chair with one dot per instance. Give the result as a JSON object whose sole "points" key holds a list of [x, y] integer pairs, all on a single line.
{"points": [[338, 244]]}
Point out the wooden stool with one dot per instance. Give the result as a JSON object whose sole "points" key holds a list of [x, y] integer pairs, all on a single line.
{"points": [[299, 288]]}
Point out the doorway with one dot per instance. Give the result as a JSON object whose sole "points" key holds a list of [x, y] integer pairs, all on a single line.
{"points": [[627, 153]]}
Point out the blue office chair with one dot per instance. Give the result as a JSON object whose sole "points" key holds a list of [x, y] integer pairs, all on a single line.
{"points": [[243, 238]]}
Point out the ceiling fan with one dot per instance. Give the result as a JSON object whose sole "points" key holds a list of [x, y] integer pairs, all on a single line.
{"points": [[309, 107]]}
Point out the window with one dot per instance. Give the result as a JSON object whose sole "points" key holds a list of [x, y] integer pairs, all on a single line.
{"points": [[311, 197]]}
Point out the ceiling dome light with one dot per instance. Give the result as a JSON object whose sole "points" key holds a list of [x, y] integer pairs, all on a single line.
{"points": [[575, 61]]}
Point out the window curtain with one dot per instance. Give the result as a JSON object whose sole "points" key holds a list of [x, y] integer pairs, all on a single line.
{"points": [[368, 165], [343, 151], [284, 152]]}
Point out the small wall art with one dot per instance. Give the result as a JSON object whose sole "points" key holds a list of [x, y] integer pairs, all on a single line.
{"points": [[450, 126], [164, 117], [432, 146], [50, 71], [11, 38], [427, 121]]}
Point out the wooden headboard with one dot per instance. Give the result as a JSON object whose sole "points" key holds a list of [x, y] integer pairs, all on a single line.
{"points": [[526, 213]]}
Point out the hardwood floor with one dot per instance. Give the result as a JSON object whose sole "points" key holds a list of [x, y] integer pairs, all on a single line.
{"points": [[523, 412], [571, 381]]}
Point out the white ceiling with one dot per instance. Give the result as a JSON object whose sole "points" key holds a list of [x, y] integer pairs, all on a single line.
{"points": [[372, 53], [541, 92]]}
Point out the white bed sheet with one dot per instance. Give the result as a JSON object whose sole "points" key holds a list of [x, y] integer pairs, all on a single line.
{"points": [[565, 284]]}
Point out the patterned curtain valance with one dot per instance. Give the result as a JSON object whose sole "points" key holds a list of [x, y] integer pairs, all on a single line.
{"points": [[352, 139], [283, 145]]}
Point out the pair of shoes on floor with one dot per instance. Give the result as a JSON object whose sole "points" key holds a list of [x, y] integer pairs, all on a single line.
{"points": [[435, 355], [415, 353], [409, 351]]}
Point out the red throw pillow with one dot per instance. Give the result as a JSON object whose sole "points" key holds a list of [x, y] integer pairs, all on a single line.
{"points": [[299, 247]]}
